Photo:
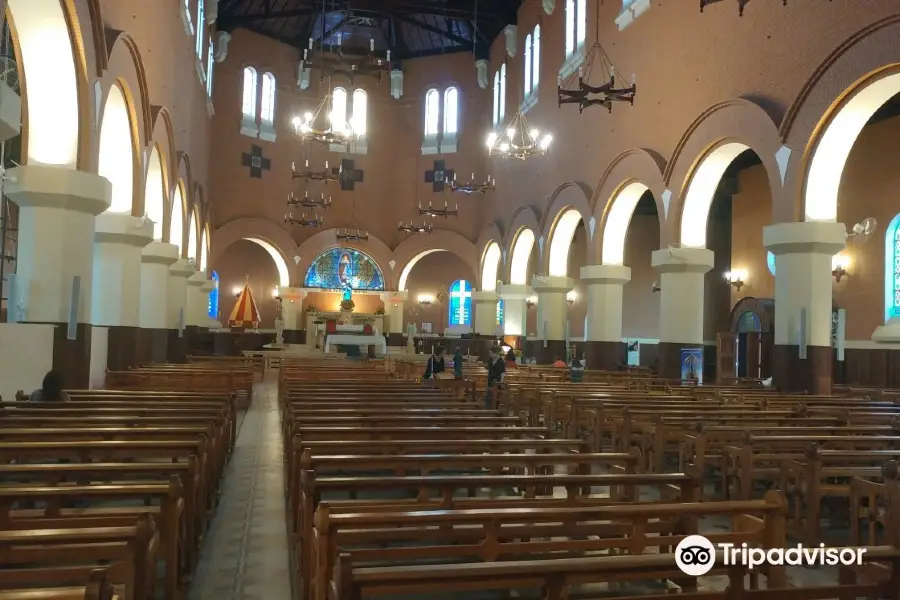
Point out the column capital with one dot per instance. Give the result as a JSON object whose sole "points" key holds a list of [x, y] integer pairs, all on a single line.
{"points": [[393, 296], [683, 260], [543, 284], [46, 186], [516, 292], [600, 274], [208, 286], [121, 228], [197, 278], [485, 297], [182, 268], [160, 253], [812, 237]]}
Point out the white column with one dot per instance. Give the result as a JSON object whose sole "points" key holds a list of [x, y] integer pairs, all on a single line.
{"points": [[604, 285], [197, 302], [681, 283], [116, 295], [179, 273], [553, 308], [393, 308], [803, 280], [156, 258], [57, 210], [515, 309], [485, 312]]}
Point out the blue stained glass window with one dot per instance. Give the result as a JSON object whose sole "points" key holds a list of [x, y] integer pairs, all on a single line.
{"points": [[770, 262], [892, 270], [343, 268], [500, 312], [461, 303], [213, 306]]}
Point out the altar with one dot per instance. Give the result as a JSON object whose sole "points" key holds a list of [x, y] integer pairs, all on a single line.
{"points": [[334, 340]]}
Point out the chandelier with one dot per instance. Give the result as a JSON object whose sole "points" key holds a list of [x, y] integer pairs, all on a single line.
{"points": [[412, 228], [310, 128], [303, 221], [348, 236], [307, 202], [518, 140], [337, 63], [584, 94], [471, 187], [438, 212], [310, 175]]}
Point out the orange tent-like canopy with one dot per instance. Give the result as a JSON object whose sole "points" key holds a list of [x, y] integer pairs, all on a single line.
{"points": [[245, 314]]}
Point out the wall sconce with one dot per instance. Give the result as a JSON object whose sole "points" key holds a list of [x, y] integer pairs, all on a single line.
{"points": [[236, 291], [571, 297], [655, 287], [426, 300], [275, 291], [839, 264], [736, 278], [531, 301]]}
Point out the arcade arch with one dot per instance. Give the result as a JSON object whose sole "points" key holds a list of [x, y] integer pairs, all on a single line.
{"points": [[155, 192], [284, 274], [561, 241], [176, 224], [617, 221], [523, 246], [193, 232], [490, 267], [115, 159]]}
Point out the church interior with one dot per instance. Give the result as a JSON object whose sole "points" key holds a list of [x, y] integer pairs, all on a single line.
{"points": [[352, 299]]}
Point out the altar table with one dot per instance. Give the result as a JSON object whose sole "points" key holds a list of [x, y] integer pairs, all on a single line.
{"points": [[343, 339]]}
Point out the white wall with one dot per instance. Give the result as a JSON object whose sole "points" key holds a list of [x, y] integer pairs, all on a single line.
{"points": [[26, 354]]}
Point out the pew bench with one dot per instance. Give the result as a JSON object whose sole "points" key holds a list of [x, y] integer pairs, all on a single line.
{"points": [[97, 588]]}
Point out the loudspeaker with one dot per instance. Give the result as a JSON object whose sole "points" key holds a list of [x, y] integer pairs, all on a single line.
{"points": [[841, 333], [181, 322], [72, 331], [12, 299], [803, 336], [544, 333]]}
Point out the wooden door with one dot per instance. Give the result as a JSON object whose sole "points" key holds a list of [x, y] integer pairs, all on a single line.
{"points": [[754, 355], [724, 357]]}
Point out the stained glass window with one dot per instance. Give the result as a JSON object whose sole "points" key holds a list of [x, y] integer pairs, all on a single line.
{"points": [[461, 303], [343, 268], [500, 312], [892, 270], [213, 306]]}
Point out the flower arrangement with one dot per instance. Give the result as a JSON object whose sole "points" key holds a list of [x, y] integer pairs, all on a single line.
{"points": [[347, 305], [311, 309], [379, 311]]}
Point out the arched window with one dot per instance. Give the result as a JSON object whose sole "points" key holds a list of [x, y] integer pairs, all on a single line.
{"points": [[213, 307], [500, 313], [527, 57], [451, 111], [460, 303], [204, 250], [186, 16], [502, 92], [580, 22], [892, 270], [536, 57], [432, 112], [496, 112], [176, 224], [201, 27], [249, 97], [267, 107], [210, 62], [360, 106], [576, 11], [339, 109], [192, 237]]}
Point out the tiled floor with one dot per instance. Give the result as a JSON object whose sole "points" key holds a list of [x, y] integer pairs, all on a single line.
{"points": [[245, 555]]}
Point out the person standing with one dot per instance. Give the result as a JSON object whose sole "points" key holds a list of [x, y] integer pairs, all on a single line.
{"points": [[458, 364], [435, 364], [496, 376]]}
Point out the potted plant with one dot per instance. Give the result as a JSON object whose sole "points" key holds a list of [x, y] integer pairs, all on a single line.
{"points": [[311, 309], [347, 305]]}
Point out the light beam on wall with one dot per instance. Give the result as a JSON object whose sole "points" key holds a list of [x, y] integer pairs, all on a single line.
{"points": [[284, 275], [489, 268], [116, 152], [562, 241], [404, 274], [154, 194], [617, 222], [176, 227], [521, 256], [701, 191]]}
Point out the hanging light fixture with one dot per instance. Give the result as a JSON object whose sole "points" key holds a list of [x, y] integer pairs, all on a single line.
{"points": [[307, 202], [348, 236], [311, 175], [471, 187], [433, 211], [583, 93], [303, 221], [318, 126], [412, 228], [335, 62], [518, 140]]}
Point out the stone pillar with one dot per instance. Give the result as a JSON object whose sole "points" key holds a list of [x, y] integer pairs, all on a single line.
{"points": [[552, 316], [485, 322], [603, 345], [393, 310], [116, 295], [681, 282], [197, 301], [179, 273], [515, 311], [57, 210], [156, 258], [803, 280]]}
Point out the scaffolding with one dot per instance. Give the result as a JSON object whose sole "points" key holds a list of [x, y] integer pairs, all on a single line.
{"points": [[9, 157]]}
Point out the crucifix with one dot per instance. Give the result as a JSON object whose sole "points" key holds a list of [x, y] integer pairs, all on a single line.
{"points": [[256, 161], [438, 176], [460, 293], [348, 175]]}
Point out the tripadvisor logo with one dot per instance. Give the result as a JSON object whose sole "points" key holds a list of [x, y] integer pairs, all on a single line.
{"points": [[695, 555]]}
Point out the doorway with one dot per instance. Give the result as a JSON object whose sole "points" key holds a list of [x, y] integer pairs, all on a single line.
{"points": [[746, 350]]}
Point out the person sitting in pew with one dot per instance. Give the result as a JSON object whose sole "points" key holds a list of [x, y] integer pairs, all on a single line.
{"points": [[51, 389], [436, 365], [496, 375]]}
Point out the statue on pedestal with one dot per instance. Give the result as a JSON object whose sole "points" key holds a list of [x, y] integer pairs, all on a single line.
{"points": [[279, 321], [410, 338], [347, 305]]}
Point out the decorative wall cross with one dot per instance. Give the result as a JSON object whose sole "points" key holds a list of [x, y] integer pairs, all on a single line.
{"points": [[438, 176], [256, 161], [348, 174]]}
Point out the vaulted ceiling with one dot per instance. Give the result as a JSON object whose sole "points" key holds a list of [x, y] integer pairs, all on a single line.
{"points": [[409, 28]]}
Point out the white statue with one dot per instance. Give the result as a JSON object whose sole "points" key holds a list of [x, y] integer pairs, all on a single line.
{"points": [[279, 323], [410, 338]]}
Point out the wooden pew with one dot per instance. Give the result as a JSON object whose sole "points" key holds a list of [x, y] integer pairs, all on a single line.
{"points": [[96, 588]]}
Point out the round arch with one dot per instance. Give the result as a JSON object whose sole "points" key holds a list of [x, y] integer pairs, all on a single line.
{"points": [[162, 145], [569, 206], [525, 218], [414, 248], [258, 230], [204, 249], [831, 109], [115, 153], [176, 218], [522, 247], [315, 245], [284, 273], [193, 237], [49, 79], [703, 154], [490, 267], [155, 192]]}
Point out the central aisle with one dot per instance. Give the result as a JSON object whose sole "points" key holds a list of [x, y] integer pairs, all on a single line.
{"points": [[245, 554]]}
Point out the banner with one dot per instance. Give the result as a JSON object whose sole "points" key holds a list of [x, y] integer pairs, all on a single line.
{"points": [[692, 365]]}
